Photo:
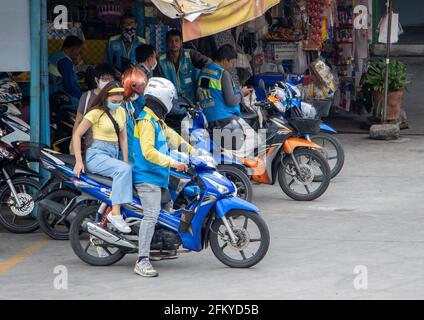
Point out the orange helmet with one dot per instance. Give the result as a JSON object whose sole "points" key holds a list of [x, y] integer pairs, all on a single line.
{"points": [[134, 80]]}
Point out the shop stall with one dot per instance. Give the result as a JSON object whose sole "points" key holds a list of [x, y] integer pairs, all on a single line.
{"points": [[317, 40]]}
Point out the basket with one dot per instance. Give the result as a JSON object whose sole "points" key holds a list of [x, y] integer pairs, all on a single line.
{"points": [[322, 106], [305, 126], [30, 151]]}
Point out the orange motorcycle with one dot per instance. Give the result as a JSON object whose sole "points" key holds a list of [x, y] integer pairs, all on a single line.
{"points": [[302, 172]]}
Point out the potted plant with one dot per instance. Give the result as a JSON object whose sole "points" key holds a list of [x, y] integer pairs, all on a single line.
{"points": [[375, 79]]}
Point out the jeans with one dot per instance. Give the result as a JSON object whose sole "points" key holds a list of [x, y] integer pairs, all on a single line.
{"points": [[150, 196], [102, 159]]}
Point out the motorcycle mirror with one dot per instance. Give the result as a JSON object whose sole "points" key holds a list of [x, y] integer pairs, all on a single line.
{"points": [[261, 84]]}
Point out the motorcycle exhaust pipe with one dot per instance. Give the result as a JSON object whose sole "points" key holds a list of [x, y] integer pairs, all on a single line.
{"points": [[52, 206], [108, 236]]}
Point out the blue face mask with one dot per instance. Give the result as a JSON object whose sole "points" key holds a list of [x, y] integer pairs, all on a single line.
{"points": [[113, 106]]}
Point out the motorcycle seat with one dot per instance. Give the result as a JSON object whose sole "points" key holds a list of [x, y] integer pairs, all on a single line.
{"points": [[68, 159], [100, 179]]}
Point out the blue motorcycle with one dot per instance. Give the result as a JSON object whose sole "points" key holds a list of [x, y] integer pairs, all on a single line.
{"points": [[237, 234], [332, 150]]}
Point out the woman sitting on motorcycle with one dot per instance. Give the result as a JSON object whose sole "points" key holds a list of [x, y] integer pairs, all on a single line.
{"points": [[107, 120]]}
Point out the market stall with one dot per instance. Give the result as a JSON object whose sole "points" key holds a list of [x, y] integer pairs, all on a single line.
{"points": [[317, 39]]}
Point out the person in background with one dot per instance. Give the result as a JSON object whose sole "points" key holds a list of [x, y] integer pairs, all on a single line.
{"points": [[152, 138], [61, 69], [103, 74], [107, 120], [146, 59], [121, 48], [219, 98], [179, 65]]}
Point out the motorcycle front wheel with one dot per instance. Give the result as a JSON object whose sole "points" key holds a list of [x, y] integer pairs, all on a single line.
{"points": [[303, 186], [88, 248], [15, 218], [253, 239]]}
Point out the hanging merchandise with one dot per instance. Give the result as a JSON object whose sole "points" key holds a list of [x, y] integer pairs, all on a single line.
{"points": [[314, 39], [292, 27], [343, 59]]}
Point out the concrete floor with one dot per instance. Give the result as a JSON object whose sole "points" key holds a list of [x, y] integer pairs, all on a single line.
{"points": [[370, 216]]}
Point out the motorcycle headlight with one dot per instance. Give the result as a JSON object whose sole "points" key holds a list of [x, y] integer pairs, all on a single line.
{"points": [[222, 189]]}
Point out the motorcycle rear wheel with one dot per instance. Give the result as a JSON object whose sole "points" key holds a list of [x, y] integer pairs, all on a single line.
{"points": [[78, 233], [240, 179], [48, 221], [325, 141]]}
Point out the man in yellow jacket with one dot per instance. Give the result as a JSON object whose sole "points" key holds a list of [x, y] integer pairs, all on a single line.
{"points": [[152, 163]]}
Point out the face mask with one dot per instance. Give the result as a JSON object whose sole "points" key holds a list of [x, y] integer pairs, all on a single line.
{"points": [[128, 34], [113, 106], [154, 66], [101, 84]]}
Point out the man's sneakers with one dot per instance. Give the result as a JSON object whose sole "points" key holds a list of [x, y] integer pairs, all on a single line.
{"points": [[144, 268], [119, 223]]}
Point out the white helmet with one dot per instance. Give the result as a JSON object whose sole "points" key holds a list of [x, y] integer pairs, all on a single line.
{"points": [[161, 90]]}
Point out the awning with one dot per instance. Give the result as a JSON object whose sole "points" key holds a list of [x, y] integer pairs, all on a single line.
{"points": [[206, 17]]}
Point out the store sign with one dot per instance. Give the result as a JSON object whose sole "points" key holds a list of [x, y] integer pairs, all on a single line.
{"points": [[14, 35], [361, 20]]}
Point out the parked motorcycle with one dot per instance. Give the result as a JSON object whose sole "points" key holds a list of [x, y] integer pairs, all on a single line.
{"points": [[19, 186], [11, 126], [332, 149], [283, 154], [238, 235]]}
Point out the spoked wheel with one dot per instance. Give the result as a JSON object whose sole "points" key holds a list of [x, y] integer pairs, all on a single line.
{"points": [[302, 186], [87, 247], [19, 218], [253, 239], [240, 180], [56, 226], [333, 152]]}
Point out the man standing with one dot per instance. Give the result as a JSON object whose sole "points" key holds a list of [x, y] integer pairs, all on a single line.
{"points": [[179, 65], [61, 69], [146, 59], [121, 48]]}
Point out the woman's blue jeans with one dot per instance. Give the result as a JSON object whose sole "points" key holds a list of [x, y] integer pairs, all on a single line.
{"points": [[102, 158]]}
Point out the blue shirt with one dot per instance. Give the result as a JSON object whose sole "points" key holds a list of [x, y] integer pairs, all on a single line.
{"points": [[69, 78]]}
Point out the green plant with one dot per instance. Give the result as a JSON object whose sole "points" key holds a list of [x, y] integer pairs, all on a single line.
{"points": [[376, 75]]}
